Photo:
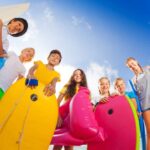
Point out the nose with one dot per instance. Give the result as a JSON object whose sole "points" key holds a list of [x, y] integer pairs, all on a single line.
{"points": [[105, 86], [28, 55], [132, 67]]}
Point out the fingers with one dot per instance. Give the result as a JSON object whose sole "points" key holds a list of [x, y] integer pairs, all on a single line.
{"points": [[139, 114], [104, 100], [49, 90], [32, 87]]}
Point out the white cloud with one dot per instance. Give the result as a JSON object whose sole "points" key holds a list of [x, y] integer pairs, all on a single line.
{"points": [[88, 25], [48, 14], [76, 21], [33, 30]]}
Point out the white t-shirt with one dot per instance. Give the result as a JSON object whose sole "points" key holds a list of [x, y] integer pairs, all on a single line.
{"points": [[10, 71], [5, 41], [96, 99]]}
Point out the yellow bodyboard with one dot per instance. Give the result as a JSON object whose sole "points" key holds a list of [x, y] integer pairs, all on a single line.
{"points": [[27, 118]]}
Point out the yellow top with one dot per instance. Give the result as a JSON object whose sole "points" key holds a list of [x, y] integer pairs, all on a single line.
{"points": [[43, 74], [64, 90]]}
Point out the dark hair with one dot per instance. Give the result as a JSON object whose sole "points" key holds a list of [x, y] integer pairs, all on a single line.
{"points": [[55, 51], [25, 24], [71, 86]]}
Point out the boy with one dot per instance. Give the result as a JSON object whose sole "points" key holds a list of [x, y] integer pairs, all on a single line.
{"points": [[120, 86], [45, 73]]}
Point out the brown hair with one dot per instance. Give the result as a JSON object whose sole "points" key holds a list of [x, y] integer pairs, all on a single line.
{"points": [[55, 51], [71, 86]]}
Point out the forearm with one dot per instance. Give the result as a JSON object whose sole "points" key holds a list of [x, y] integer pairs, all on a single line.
{"points": [[60, 98], [31, 71], [20, 77], [54, 81], [3, 55]]}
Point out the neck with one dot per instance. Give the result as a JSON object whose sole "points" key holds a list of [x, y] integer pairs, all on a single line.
{"points": [[78, 84], [139, 71], [122, 93], [105, 93], [50, 66]]}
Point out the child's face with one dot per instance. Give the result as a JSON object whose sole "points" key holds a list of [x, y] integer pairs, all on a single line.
{"points": [[104, 86], [133, 65], [27, 54], [120, 86], [54, 59], [77, 76], [15, 27]]}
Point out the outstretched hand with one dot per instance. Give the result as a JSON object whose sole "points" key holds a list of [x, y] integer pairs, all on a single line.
{"points": [[49, 90]]}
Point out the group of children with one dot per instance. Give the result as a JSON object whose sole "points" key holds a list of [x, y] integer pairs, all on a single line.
{"points": [[11, 65], [120, 89], [141, 81], [46, 74]]}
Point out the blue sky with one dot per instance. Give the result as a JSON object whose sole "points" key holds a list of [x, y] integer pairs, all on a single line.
{"points": [[95, 35]]}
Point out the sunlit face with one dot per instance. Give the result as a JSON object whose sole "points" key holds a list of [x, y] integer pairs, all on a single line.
{"points": [[133, 65], [104, 86], [77, 76], [15, 27], [54, 59], [27, 54], [120, 86]]}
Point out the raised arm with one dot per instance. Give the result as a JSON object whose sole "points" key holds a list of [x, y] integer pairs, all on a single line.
{"points": [[31, 71]]}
